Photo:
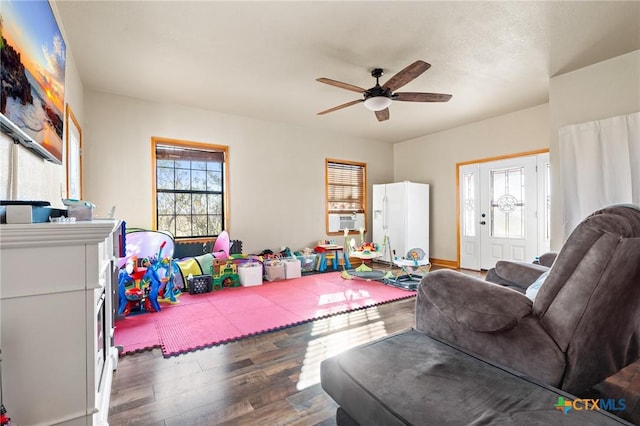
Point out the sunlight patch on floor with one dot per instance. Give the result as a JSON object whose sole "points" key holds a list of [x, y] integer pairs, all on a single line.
{"points": [[338, 322], [329, 345], [343, 296]]}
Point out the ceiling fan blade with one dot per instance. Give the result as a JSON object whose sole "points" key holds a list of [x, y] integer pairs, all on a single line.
{"points": [[382, 115], [406, 75], [348, 104], [421, 97], [341, 85]]}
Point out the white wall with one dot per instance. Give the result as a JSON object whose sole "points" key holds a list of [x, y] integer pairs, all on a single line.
{"points": [[432, 159], [277, 172], [25, 175], [602, 90]]}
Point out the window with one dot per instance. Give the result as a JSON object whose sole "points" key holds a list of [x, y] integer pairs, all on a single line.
{"points": [[190, 188], [346, 187]]}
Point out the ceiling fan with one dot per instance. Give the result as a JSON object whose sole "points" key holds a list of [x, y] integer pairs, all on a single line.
{"points": [[378, 98]]}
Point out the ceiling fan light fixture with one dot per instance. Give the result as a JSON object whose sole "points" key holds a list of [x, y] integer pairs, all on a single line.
{"points": [[377, 103]]}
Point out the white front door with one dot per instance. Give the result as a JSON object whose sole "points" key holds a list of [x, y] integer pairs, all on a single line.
{"points": [[508, 206], [499, 211]]}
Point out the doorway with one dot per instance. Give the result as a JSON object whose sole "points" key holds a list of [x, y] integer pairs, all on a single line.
{"points": [[503, 209]]}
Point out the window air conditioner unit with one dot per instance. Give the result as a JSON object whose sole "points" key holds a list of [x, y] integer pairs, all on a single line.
{"points": [[340, 222]]}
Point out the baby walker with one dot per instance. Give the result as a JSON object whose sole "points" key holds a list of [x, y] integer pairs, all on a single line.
{"points": [[413, 267]]}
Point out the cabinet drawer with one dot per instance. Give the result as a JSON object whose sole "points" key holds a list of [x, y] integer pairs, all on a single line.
{"points": [[18, 266]]}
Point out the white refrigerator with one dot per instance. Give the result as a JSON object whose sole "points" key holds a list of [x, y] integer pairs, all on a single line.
{"points": [[400, 212]]}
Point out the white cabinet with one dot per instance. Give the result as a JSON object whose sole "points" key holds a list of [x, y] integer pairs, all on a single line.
{"points": [[56, 322], [401, 211]]}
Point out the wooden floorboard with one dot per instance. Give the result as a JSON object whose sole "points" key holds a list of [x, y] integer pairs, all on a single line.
{"points": [[270, 379]]}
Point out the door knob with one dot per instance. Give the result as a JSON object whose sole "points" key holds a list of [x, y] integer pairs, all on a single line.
{"points": [[482, 222]]}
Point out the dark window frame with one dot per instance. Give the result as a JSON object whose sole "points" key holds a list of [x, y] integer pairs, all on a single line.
{"points": [[192, 158]]}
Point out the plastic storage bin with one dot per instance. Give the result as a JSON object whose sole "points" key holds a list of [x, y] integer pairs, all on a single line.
{"points": [[273, 270], [292, 268], [199, 284], [250, 274], [307, 262]]}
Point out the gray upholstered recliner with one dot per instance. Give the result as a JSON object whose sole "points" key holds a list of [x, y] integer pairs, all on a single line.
{"points": [[497, 350], [581, 327]]}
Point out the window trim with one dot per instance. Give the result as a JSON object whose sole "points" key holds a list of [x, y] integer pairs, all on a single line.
{"points": [[156, 140], [326, 191]]}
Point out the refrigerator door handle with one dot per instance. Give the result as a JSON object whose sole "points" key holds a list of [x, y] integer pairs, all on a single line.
{"points": [[384, 212]]}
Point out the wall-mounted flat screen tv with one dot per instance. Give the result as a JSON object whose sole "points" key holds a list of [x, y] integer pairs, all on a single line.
{"points": [[32, 70]]}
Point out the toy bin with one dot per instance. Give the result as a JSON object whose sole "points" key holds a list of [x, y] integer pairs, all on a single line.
{"points": [[273, 270], [199, 284], [307, 262], [250, 274], [292, 268]]}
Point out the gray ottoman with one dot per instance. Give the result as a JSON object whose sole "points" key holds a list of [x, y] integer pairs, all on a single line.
{"points": [[413, 379]]}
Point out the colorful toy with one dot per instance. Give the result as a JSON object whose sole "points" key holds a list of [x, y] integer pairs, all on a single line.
{"points": [[286, 252], [162, 274], [368, 248], [133, 287], [145, 275], [224, 273], [5, 420], [366, 251], [144, 244], [221, 246], [151, 300], [170, 289], [140, 286]]}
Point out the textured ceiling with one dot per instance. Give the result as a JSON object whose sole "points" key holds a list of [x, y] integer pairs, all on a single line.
{"points": [[260, 59]]}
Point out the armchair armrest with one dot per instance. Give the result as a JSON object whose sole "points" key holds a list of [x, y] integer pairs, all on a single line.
{"points": [[474, 303], [547, 259], [519, 274]]}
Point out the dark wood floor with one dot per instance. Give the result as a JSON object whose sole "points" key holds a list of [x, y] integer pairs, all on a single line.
{"points": [[271, 379]]}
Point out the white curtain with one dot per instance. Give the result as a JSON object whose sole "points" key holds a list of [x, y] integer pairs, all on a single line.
{"points": [[599, 166]]}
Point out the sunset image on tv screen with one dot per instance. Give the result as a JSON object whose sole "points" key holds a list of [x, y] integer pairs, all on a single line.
{"points": [[33, 67]]}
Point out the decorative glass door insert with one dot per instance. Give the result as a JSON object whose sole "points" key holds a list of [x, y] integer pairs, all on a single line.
{"points": [[469, 206], [508, 203]]}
